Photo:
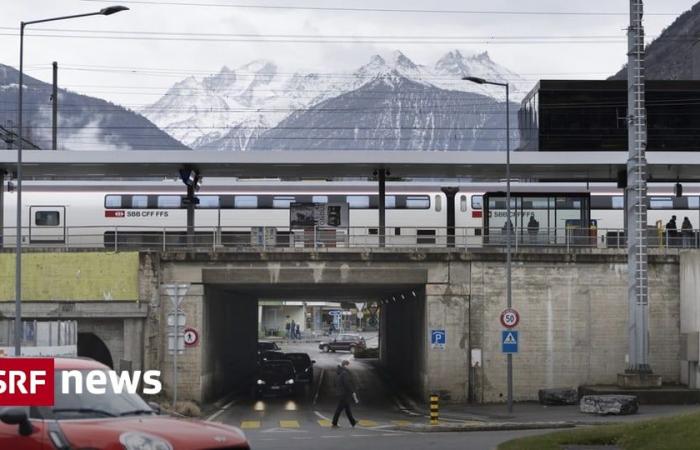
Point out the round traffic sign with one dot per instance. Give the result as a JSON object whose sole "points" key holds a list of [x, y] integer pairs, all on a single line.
{"points": [[510, 318], [191, 337]]}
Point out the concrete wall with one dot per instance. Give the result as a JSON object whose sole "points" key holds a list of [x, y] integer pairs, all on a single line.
{"points": [[573, 323], [690, 318], [73, 276], [230, 345]]}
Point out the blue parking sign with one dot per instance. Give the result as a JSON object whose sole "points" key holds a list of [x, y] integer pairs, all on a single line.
{"points": [[509, 341], [438, 338]]}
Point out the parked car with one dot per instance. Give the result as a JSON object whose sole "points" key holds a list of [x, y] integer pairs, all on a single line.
{"points": [[108, 421], [275, 377], [346, 342], [265, 346], [303, 366], [272, 356]]}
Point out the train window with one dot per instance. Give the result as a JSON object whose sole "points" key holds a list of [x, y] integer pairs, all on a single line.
{"points": [[390, 202], [438, 203], [319, 199], [693, 202], [246, 201], [417, 202], [463, 203], [113, 201], [139, 201], [661, 203], [601, 202], [358, 201], [282, 201], [618, 202], [168, 201], [47, 218], [208, 202], [478, 201]]}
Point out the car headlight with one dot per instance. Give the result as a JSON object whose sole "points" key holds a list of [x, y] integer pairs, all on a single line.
{"points": [[143, 441], [290, 381], [261, 381]]}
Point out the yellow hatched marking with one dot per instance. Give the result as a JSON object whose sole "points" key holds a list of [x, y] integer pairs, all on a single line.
{"points": [[401, 423], [325, 423], [289, 424], [250, 424], [367, 423]]}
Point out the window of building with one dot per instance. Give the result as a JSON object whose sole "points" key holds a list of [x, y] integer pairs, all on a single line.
{"points": [[246, 201], [47, 218], [168, 201], [139, 201], [113, 201], [358, 201]]}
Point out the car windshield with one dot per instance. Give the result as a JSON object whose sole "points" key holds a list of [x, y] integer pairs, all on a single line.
{"points": [[277, 368], [267, 346], [72, 405]]}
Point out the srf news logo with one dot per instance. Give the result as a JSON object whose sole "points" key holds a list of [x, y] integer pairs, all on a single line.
{"points": [[31, 382]]}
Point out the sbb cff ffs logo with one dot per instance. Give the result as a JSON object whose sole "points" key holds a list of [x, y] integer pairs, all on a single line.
{"points": [[26, 381], [510, 318]]}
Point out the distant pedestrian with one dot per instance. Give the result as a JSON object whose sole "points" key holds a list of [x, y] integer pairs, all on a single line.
{"points": [[292, 329], [298, 332], [533, 228], [287, 327], [671, 231], [687, 233], [346, 393]]}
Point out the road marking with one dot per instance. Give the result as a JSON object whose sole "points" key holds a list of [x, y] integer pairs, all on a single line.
{"points": [[221, 411], [318, 386], [367, 423], [325, 423], [321, 416], [250, 424], [401, 423], [289, 423]]}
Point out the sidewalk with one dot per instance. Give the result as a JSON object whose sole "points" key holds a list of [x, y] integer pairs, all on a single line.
{"points": [[531, 415]]}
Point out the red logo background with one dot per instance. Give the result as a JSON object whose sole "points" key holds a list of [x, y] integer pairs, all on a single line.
{"points": [[44, 395]]}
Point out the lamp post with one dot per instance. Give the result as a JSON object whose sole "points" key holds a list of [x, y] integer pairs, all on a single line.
{"points": [[18, 238], [509, 224]]}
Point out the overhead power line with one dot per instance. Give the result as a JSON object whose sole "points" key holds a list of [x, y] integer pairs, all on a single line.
{"points": [[386, 10]]}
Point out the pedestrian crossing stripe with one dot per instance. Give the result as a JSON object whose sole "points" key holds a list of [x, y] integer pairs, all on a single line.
{"points": [[510, 339], [324, 423], [367, 423], [250, 424], [289, 424], [401, 423]]}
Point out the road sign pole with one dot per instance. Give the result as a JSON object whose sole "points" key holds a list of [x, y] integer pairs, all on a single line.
{"points": [[176, 292]]}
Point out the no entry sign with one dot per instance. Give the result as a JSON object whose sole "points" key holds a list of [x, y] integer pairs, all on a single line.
{"points": [[510, 318]]}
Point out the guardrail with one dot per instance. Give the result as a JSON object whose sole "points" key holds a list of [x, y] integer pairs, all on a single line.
{"points": [[225, 238]]}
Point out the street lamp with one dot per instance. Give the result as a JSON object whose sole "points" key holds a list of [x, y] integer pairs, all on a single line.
{"points": [[108, 11], [509, 224]]}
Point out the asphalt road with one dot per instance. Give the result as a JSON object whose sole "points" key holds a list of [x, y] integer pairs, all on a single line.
{"points": [[303, 421]]}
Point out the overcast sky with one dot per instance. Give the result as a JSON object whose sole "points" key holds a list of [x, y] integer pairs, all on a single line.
{"points": [[95, 66]]}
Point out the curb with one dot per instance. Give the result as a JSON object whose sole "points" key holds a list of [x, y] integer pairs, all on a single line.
{"points": [[491, 426]]}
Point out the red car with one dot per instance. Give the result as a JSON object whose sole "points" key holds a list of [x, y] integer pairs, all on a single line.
{"points": [[107, 422]]}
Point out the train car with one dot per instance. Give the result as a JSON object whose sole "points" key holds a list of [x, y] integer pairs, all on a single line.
{"points": [[152, 213]]}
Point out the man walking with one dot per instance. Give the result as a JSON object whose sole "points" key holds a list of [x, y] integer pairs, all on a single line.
{"points": [[346, 392]]}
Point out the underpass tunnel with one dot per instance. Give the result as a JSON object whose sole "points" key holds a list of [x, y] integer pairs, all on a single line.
{"points": [[234, 320]]}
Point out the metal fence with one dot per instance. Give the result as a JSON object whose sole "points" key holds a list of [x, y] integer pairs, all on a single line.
{"points": [[227, 238]]}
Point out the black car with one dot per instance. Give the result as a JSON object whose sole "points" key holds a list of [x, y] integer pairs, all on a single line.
{"points": [[347, 342], [303, 366], [272, 356], [275, 377], [265, 346]]}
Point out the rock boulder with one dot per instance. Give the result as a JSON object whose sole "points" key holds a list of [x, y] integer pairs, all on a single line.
{"points": [[609, 404]]}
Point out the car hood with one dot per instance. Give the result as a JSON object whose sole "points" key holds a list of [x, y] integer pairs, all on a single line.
{"points": [[182, 434]]}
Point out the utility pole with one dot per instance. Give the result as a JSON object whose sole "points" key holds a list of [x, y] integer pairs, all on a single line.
{"points": [[54, 103], [638, 371]]}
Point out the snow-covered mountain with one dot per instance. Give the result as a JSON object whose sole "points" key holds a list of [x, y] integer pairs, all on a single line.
{"points": [[84, 123], [235, 109]]}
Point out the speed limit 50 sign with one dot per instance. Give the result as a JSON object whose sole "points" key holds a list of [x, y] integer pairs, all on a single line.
{"points": [[510, 318]]}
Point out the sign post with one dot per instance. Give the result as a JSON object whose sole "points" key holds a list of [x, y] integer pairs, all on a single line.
{"points": [[509, 319], [176, 293]]}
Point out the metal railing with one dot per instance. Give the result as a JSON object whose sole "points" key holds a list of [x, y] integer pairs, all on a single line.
{"points": [[226, 238]]}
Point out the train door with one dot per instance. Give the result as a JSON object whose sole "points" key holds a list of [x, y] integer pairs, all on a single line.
{"points": [[47, 224]]}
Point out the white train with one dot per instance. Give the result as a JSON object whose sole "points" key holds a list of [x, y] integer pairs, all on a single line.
{"points": [[145, 213]]}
